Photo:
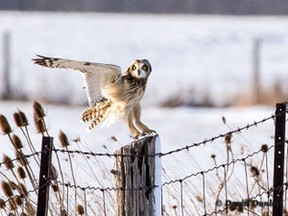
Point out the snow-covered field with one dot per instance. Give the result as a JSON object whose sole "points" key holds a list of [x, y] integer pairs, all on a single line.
{"points": [[177, 128], [202, 54], [199, 54]]}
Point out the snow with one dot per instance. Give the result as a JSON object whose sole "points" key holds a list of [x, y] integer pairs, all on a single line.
{"points": [[176, 128], [188, 53], [198, 54]]}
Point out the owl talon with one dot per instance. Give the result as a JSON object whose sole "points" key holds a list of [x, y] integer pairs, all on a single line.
{"points": [[145, 133], [137, 136]]}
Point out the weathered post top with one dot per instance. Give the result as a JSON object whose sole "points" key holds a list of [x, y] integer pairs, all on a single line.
{"points": [[138, 173]]}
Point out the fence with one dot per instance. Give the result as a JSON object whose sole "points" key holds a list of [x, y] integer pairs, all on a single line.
{"points": [[236, 183]]}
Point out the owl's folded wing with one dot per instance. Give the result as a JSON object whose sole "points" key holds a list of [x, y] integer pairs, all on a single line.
{"points": [[96, 75]]}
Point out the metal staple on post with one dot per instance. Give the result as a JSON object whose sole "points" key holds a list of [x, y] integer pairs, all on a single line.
{"points": [[44, 176], [280, 121]]}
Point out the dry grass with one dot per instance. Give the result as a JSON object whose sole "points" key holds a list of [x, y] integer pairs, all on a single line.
{"points": [[267, 96], [192, 98], [19, 185]]}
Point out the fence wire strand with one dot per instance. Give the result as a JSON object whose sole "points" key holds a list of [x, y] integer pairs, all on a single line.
{"points": [[74, 186], [161, 154]]}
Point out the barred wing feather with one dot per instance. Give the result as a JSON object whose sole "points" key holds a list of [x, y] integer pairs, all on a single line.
{"points": [[96, 75]]}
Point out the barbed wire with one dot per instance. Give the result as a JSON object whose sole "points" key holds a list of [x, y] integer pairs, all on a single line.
{"points": [[234, 161], [21, 157], [163, 184], [68, 184], [161, 154], [24, 194], [217, 167]]}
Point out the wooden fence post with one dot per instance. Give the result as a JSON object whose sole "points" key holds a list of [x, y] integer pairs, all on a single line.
{"points": [[6, 82], [139, 177], [256, 88], [44, 176], [280, 122]]}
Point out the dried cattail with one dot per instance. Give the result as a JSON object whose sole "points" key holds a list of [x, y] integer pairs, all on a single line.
{"points": [[11, 214], [199, 198], [63, 139], [223, 119], [22, 190], [17, 143], [22, 160], [242, 150], [264, 148], [7, 162], [13, 185], [227, 139], [29, 208], [63, 213], [23, 214], [4, 125], [23, 118], [12, 205], [213, 156], [39, 124], [54, 173], [38, 110], [6, 189], [254, 171], [80, 210], [18, 200], [55, 188], [21, 173], [17, 119], [2, 204]]}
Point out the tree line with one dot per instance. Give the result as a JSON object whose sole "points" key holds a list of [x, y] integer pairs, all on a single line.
{"points": [[235, 7]]}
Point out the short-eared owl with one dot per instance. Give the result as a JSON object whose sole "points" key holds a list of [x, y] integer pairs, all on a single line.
{"points": [[112, 96]]}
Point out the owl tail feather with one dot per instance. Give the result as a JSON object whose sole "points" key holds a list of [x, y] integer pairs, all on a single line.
{"points": [[96, 113]]}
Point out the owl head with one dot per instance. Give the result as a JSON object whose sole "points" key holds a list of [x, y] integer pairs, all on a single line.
{"points": [[139, 69]]}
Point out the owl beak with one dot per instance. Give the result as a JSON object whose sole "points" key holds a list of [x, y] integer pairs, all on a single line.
{"points": [[141, 74]]}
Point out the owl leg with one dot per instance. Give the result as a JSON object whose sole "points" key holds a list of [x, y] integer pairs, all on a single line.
{"points": [[131, 125], [140, 125]]}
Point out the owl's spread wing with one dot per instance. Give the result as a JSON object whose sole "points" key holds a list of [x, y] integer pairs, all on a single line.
{"points": [[96, 75]]}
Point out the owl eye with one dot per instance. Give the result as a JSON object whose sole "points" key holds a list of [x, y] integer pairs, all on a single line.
{"points": [[133, 67], [144, 67]]}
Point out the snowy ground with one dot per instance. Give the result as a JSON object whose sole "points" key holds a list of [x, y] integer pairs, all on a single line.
{"points": [[177, 128], [198, 54]]}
